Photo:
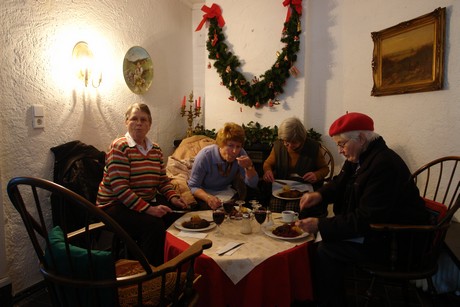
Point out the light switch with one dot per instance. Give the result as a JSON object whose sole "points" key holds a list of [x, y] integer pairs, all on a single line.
{"points": [[38, 110]]}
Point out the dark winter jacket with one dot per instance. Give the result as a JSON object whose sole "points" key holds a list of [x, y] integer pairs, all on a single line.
{"points": [[378, 191]]}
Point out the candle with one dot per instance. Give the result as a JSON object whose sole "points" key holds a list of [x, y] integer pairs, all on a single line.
{"points": [[196, 104], [199, 101], [183, 102]]}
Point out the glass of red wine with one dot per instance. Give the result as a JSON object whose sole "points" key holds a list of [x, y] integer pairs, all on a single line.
{"points": [[218, 215], [260, 215]]}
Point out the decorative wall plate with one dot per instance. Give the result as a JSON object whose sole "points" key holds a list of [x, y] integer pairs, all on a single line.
{"points": [[138, 70]]}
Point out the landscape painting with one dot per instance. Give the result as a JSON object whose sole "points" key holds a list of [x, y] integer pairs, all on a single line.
{"points": [[408, 57]]}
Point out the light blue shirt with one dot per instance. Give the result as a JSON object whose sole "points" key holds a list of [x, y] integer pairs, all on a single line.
{"points": [[208, 168]]}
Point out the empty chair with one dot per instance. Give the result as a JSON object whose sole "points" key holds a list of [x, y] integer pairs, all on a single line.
{"points": [[79, 273]]}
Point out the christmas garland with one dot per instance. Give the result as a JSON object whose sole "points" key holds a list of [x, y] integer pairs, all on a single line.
{"points": [[264, 89]]}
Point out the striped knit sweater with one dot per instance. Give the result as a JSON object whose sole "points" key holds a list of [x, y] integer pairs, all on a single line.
{"points": [[132, 178]]}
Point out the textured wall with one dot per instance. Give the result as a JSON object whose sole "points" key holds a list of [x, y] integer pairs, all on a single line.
{"points": [[36, 39]]}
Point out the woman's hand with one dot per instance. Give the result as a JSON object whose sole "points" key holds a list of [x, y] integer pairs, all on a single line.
{"points": [[244, 161], [309, 200], [213, 202], [268, 176], [178, 202], [310, 177], [309, 224], [158, 211]]}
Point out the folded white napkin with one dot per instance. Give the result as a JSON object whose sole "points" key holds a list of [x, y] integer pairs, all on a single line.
{"points": [[188, 234], [228, 246]]}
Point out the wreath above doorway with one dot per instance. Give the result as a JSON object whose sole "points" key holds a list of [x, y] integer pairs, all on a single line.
{"points": [[265, 88]]}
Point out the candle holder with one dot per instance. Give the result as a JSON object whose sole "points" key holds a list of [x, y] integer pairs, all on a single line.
{"points": [[193, 112]]}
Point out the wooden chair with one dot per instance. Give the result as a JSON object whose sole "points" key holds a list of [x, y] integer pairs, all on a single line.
{"points": [[78, 273], [330, 162], [415, 249], [439, 180]]}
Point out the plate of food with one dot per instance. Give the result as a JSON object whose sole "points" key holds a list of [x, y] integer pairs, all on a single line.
{"points": [[290, 190], [194, 223], [291, 194], [285, 232]]}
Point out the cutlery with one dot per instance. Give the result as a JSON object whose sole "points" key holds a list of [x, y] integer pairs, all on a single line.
{"points": [[180, 211], [229, 249], [281, 182]]}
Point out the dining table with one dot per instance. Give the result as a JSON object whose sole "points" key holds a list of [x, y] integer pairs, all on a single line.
{"points": [[263, 270]]}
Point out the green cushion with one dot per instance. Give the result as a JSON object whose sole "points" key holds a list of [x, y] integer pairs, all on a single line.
{"points": [[102, 263]]}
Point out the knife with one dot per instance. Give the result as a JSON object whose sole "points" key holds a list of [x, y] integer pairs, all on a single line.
{"points": [[229, 249], [281, 182]]}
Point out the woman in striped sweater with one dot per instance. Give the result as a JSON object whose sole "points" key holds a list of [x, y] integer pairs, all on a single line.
{"points": [[135, 190]]}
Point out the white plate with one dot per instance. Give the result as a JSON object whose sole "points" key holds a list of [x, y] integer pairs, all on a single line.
{"points": [[178, 225], [277, 192], [278, 188], [268, 232]]}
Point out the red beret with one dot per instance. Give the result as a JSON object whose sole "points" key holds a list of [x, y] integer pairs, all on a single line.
{"points": [[351, 122]]}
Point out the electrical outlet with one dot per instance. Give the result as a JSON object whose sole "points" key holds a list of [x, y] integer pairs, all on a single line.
{"points": [[38, 122]]}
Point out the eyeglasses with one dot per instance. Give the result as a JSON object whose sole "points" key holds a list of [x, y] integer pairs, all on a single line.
{"points": [[342, 145]]}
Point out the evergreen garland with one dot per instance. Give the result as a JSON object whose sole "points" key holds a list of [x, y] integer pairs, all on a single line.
{"points": [[264, 89]]}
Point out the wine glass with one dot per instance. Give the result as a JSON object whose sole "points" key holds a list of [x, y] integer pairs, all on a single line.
{"points": [[218, 215], [260, 215], [229, 206], [255, 204], [240, 204]]}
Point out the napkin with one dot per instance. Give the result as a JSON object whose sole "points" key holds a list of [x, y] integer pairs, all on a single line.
{"points": [[188, 234], [228, 246]]}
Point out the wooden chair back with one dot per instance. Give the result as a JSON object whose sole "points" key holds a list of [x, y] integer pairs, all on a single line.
{"points": [[330, 162], [439, 180], [78, 271]]}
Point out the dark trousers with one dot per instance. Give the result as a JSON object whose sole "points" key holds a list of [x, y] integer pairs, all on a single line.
{"points": [[330, 261], [148, 231]]}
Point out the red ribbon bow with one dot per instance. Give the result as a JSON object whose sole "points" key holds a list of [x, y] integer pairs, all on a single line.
{"points": [[297, 6], [211, 12]]}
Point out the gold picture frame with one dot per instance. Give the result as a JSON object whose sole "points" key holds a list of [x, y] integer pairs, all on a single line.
{"points": [[409, 57]]}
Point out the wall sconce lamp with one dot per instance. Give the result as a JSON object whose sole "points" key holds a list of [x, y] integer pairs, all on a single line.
{"points": [[86, 65]]}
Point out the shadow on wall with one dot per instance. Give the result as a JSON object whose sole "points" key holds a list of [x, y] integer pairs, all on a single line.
{"points": [[319, 47]]}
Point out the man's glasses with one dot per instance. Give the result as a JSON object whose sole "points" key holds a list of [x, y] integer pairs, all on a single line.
{"points": [[342, 145]]}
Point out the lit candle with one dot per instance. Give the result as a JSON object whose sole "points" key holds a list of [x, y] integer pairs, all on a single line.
{"points": [[199, 101], [183, 102]]}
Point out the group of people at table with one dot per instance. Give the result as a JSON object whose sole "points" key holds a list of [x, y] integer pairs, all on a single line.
{"points": [[373, 186]]}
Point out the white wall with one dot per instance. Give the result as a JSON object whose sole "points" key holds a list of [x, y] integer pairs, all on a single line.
{"points": [[37, 38], [336, 75]]}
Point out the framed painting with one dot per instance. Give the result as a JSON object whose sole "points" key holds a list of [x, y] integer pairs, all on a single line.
{"points": [[409, 57]]}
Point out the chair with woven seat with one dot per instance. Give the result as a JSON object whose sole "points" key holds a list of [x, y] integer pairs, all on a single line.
{"points": [[79, 273]]}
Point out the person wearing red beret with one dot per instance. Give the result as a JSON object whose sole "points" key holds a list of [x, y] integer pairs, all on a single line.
{"points": [[373, 186]]}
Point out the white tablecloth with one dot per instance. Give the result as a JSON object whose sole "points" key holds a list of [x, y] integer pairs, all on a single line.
{"points": [[258, 246]]}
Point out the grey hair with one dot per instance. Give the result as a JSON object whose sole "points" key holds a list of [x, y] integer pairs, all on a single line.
{"points": [[354, 135], [138, 107], [292, 130]]}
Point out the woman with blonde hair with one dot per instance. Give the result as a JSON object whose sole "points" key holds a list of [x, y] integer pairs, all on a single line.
{"points": [[218, 166]]}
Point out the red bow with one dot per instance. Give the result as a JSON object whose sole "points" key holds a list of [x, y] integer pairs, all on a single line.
{"points": [[297, 6], [212, 12]]}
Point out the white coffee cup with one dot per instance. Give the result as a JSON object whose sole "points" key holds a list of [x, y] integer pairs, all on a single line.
{"points": [[289, 216]]}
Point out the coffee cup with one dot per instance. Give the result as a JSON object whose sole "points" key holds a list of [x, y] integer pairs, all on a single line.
{"points": [[289, 216]]}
